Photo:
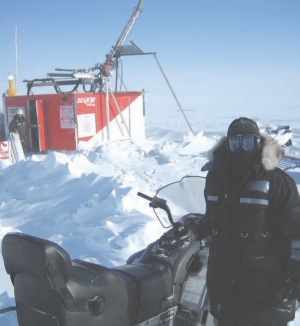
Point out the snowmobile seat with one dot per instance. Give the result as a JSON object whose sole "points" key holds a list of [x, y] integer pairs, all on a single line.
{"points": [[154, 281], [51, 290]]}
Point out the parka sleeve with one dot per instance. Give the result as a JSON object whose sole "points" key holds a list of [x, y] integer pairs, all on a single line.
{"points": [[12, 126], [204, 226], [291, 211], [29, 125], [284, 203]]}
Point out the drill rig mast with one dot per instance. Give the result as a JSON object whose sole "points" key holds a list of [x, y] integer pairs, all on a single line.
{"points": [[88, 77]]}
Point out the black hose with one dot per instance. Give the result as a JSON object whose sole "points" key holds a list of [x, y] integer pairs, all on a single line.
{"points": [[55, 85], [117, 69], [8, 309], [121, 78], [87, 91]]}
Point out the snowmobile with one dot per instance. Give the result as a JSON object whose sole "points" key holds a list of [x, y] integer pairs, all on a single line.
{"points": [[163, 284], [283, 134]]}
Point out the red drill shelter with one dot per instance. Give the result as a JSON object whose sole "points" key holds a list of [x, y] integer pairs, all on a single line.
{"points": [[66, 119]]}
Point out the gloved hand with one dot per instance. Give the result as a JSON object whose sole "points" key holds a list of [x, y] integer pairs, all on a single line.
{"points": [[187, 224], [292, 290], [294, 293], [189, 221]]}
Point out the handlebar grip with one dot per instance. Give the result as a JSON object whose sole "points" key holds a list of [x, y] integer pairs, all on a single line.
{"points": [[144, 196]]}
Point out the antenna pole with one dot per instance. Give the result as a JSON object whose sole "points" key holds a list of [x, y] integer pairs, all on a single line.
{"points": [[160, 67], [16, 49]]}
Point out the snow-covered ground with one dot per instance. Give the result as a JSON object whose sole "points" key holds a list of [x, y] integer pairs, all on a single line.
{"points": [[86, 200]]}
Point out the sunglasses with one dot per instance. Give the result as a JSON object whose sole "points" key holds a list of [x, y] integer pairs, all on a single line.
{"points": [[247, 142]]}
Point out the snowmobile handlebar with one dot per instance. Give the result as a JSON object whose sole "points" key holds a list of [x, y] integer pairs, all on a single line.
{"points": [[156, 202], [182, 227], [144, 196]]}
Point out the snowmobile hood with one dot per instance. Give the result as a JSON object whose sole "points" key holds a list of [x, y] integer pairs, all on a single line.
{"points": [[271, 153]]}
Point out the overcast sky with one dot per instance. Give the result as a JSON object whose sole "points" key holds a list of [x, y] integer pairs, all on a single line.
{"points": [[217, 54]]}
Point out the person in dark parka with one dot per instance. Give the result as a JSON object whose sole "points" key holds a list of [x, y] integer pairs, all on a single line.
{"points": [[253, 218], [19, 125]]}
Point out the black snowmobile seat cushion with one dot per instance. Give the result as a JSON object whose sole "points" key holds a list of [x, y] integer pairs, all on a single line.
{"points": [[50, 290], [154, 281], [150, 276], [21, 252]]}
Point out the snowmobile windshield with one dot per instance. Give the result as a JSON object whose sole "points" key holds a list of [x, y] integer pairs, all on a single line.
{"points": [[183, 197]]}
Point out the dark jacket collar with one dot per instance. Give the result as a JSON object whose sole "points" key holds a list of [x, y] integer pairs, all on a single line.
{"points": [[271, 152]]}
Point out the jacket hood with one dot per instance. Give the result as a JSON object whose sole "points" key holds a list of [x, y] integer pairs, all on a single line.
{"points": [[271, 153]]}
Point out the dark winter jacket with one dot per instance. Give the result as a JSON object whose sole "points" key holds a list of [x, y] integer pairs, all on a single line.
{"points": [[19, 124], [252, 220]]}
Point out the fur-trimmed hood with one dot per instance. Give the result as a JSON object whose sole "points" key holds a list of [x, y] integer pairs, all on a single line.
{"points": [[271, 154]]}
